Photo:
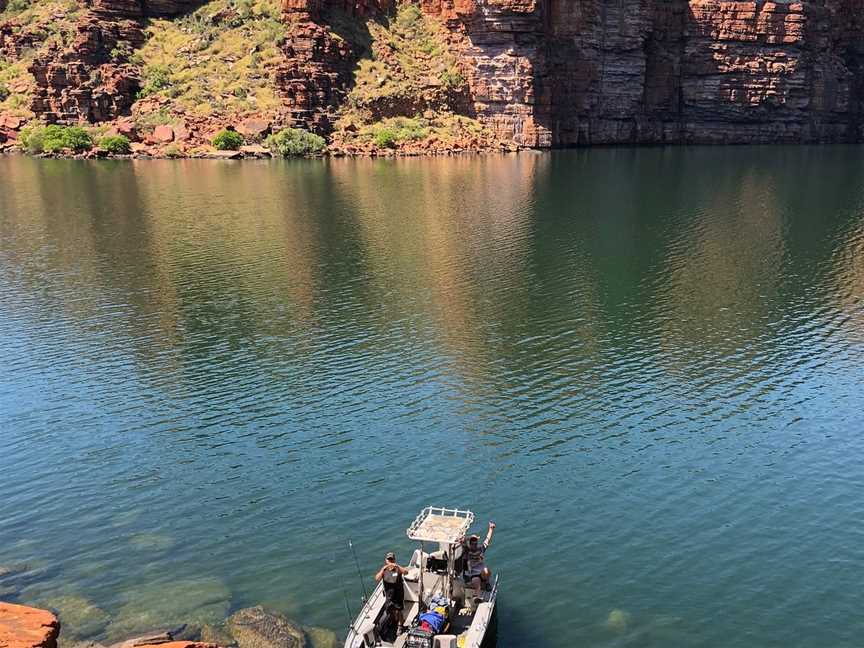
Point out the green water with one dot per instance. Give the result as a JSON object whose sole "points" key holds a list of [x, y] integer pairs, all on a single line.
{"points": [[647, 366]]}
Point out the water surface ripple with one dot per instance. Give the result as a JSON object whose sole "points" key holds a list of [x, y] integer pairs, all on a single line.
{"points": [[646, 365]]}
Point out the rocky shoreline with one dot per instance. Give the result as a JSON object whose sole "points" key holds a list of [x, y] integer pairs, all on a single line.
{"points": [[194, 142], [22, 626], [178, 614]]}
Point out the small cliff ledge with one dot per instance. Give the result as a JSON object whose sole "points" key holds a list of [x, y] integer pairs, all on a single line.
{"points": [[458, 74], [26, 627]]}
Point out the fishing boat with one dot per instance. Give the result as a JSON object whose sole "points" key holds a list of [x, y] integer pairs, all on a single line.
{"points": [[433, 587]]}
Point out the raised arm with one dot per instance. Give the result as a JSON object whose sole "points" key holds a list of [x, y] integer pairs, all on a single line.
{"points": [[490, 533]]}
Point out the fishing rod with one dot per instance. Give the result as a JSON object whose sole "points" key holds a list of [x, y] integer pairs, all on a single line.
{"points": [[359, 573], [348, 610]]}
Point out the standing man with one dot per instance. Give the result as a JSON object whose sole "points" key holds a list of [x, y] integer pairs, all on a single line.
{"points": [[394, 591], [476, 572]]}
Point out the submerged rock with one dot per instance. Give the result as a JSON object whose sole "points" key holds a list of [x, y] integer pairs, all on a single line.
{"points": [[180, 644], [191, 602], [27, 627], [81, 618], [217, 634], [618, 620], [321, 638], [18, 575], [152, 541], [149, 639], [259, 628], [75, 643]]}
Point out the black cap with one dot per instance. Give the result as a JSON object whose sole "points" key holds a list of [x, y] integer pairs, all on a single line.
{"points": [[390, 556]]}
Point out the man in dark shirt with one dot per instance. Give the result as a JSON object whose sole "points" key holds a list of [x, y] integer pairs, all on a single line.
{"points": [[394, 591]]}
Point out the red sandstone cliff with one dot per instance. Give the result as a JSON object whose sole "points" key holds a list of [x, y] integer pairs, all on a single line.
{"points": [[541, 72], [641, 71]]}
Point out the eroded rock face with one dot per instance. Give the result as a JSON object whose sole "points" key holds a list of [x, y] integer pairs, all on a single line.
{"points": [[26, 627], [92, 80], [596, 72]]}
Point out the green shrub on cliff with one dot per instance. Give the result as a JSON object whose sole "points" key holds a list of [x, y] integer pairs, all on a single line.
{"points": [[391, 132], [228, 140], [295, 141], [76, 139], [116, 144], [17, 6], [156, 78], [53, 139], [385, 138], [4, 92]]}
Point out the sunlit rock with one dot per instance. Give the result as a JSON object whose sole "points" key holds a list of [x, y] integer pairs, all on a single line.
{"points": [[259, 628], [192, 602], [27, 627], [618, 620]]}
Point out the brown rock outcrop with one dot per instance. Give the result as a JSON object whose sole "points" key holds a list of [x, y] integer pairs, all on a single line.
{"points": [[26, 627], [318, 65], [92, 79]]}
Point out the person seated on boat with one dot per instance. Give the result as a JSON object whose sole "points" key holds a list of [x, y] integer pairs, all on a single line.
{"points": [[394, 592], [476, 572]]}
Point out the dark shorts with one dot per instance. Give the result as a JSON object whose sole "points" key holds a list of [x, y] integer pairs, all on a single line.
{"points": [[394, 595]]}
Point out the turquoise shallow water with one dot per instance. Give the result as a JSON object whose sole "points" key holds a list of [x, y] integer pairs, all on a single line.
{"points": [[647, 366]]}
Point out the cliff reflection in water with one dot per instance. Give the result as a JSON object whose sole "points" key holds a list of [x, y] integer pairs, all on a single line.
{"points": [[618, 343]]}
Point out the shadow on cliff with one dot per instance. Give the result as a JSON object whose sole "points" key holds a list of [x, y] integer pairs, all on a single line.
{"points": [[684, 72]]}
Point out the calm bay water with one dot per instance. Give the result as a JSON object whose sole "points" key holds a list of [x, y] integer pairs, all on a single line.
{"points": [[647, 366]]}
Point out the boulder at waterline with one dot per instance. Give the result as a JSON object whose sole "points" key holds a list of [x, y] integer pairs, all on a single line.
{"points": [[321, 637], [27, 627], [161, 606], [257, 627], [80, 618]]}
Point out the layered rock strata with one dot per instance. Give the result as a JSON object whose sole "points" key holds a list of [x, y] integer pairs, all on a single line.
{"points": [[92, 79], [558, 72], [540, 72]]}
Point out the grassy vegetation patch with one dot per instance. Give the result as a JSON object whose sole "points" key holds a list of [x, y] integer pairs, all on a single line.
{"points": [[116, 144], [219, 58], [407, 89], [37, 138], [227, 140], [295, 142]]}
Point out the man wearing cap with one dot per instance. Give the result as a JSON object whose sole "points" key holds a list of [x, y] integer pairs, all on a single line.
{"points": [[476, 572], [394, 592]]}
